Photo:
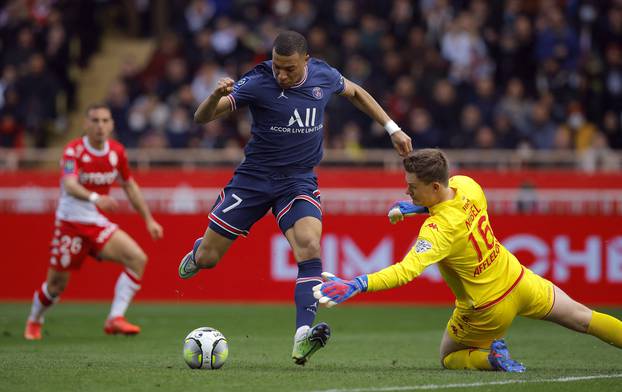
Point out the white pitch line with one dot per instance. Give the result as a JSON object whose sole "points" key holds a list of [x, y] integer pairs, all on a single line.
{"points": [[469, 385]]}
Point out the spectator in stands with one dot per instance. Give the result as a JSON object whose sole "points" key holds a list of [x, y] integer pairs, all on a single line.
{"points": [[420, 126], [485, 98], [563, 139], [178, 128], [445, 110], [542, 129], [516, 106], [37, 91], [610, 32], [20, 52], [197, 15], [57, 54], [612, 129], [444, 54], [463, 46], [516, 47], [507, 136], [485, 138], [612, 77], [583, 132], [167, 50], [176, 75], [7, 81], [11, 129], [401, 102], [118, 102], [470, 122], [205, 80]]}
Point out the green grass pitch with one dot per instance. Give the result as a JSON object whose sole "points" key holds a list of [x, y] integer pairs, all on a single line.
{"points": [[373, 348]]}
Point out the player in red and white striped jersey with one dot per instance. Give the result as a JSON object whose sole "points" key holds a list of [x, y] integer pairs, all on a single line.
{"points": [[90, 165]]}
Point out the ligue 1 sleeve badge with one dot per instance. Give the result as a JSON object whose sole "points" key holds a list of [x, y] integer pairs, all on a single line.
{"points": [[317, 93], [422, 246]]}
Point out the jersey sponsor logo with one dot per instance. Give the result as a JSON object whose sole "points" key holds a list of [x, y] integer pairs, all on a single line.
{"points": [[317, 93], [282, 95], [309, 118], [432, 226], [69, 167], [98, 178], [422, 246]]}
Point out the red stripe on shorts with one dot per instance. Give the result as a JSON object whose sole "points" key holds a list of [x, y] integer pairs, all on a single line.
{"points": [[489, 304]]}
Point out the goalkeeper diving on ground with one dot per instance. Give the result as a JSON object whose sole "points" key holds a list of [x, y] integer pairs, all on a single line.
{"points": [[490, 284]]}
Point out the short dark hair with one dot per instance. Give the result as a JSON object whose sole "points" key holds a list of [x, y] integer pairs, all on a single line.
{"points": [[429, 165], [289, 42], [98, 105]]}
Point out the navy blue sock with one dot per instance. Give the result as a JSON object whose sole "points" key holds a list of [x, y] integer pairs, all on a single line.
{"points": [[309, 275]]}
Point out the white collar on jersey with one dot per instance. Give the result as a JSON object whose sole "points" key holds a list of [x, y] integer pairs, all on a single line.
{"points": [[302, 81], [92, 150]]}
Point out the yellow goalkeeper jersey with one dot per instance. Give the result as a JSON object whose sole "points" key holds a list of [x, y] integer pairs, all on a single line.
{"points": [[457, 235]]}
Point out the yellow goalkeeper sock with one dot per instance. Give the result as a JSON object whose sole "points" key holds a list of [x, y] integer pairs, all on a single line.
{"points": [[606, 328], [467, 359]]}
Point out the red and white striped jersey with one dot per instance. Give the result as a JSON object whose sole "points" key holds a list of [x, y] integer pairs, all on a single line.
{"points": [[96, 170]]}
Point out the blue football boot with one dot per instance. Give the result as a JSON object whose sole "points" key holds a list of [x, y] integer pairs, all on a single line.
{"points": [[188, 267], [499, 358]]}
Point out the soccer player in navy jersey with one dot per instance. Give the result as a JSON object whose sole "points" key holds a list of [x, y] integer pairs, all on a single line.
{"points": [[287, 97]]}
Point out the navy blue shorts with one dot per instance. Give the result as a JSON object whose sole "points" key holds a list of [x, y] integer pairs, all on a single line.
{"points": [[248, 197]]}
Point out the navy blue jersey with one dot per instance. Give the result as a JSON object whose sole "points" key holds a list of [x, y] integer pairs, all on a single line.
{"points": [[287, 127]]}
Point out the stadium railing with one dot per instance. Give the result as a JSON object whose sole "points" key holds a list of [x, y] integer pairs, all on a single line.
{"points": [[588, 161]]}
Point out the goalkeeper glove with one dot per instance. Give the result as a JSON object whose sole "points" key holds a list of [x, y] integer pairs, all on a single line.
{"points": [[335, 290], [401, 209]]}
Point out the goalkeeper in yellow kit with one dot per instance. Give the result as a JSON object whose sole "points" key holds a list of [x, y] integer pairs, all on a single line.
{"points": [[490, 284]]}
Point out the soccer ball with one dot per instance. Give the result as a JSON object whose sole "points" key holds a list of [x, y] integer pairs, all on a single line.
{"points": [[205, 348]]}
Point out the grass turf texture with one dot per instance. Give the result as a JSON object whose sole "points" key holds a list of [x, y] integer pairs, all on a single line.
{"points": [[372, 348]]}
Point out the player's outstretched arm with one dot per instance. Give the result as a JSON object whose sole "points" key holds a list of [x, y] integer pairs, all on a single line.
{"points": [[402, 209], [132, 190], [74, 188], [217, 104], [368, 105], [335, 290]]}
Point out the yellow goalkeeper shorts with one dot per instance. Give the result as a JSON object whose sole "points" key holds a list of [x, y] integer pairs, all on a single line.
{"points": [[532, 296]]}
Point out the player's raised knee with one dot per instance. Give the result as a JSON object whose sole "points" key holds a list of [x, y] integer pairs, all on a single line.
{"points": [[308, 248], [139, 258]]}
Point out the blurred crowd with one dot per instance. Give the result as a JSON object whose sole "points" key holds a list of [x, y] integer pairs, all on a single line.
{"points": [[36, 89], [462, 74]]}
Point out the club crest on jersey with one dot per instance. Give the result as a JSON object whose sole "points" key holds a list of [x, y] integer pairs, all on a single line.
{"points": [[113, 158], [86, 158], [241, 82], [317, 93], [422, 246]]}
